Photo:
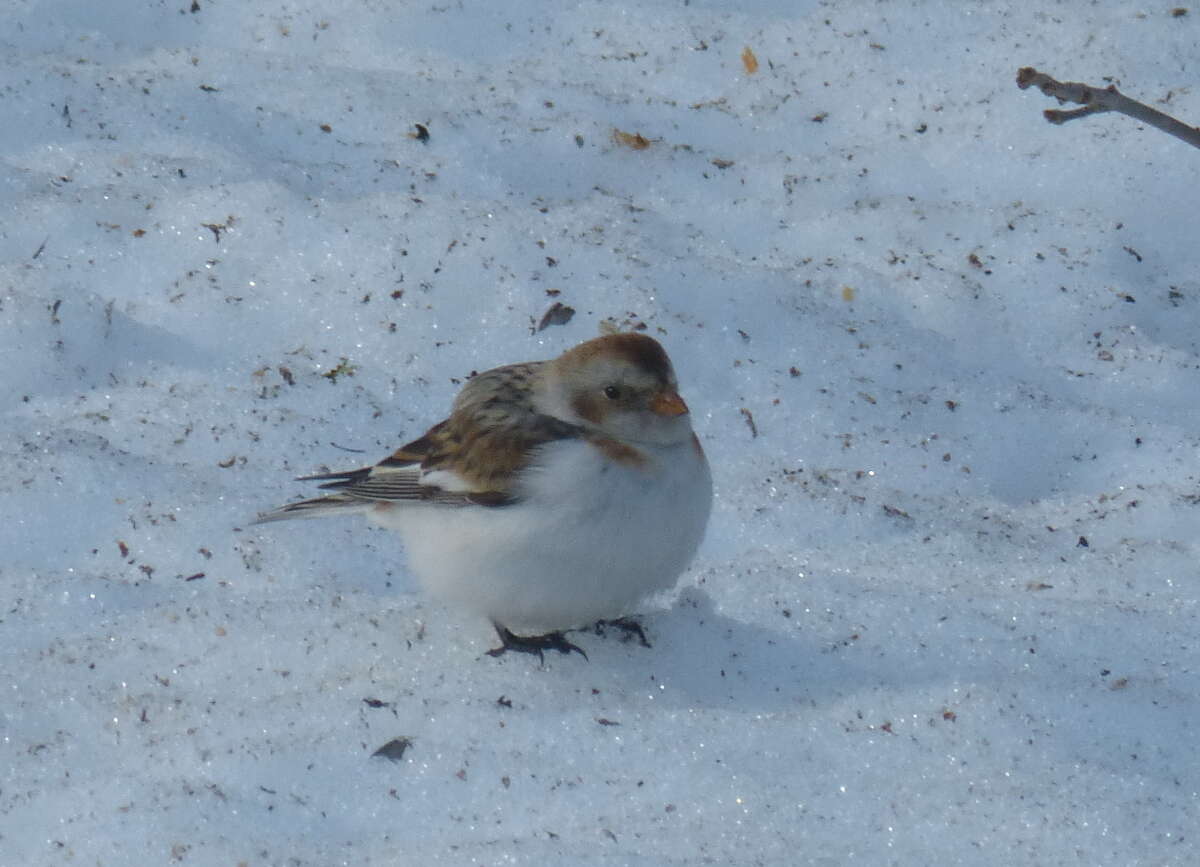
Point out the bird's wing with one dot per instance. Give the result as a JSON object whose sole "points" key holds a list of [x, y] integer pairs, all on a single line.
{"points": [[473, 458]]}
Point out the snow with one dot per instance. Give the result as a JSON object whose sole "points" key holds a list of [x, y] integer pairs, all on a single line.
{"points": [[942, 356]]}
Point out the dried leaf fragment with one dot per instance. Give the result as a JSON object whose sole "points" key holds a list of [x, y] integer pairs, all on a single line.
{"points": [[343, 368], [749, 417], [393, 749], [749, 61], [558, 314], [633, 140]]}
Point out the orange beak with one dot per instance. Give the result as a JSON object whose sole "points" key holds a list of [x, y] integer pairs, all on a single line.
{"points": [[668, 403]]}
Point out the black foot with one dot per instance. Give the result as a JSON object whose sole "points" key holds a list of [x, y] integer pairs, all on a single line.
{"points": [[628, 625], [536, 644]]}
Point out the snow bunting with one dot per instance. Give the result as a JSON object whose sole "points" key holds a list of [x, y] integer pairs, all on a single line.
{"points": [[557, 494]]}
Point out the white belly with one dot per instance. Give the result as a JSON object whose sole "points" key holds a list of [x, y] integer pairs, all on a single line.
{"points": [[590, 539]]}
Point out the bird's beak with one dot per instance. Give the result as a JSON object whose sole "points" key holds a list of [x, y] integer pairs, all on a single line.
{"points": [[668, 403]]}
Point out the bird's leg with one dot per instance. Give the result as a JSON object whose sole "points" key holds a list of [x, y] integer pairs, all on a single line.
{"points": [[536, 644], [628, 625]]}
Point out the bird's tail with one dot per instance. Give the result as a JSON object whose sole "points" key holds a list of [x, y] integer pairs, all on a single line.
{"points": [[317, 507]]}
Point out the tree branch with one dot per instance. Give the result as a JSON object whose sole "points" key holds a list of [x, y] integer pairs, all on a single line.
{"points": [[1100, 99]]}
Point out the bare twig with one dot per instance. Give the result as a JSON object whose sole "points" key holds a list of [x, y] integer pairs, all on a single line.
{"points": [[1100, 99]]}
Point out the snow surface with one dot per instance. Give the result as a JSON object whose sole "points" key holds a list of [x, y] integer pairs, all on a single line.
{"points": [[943, 357]]}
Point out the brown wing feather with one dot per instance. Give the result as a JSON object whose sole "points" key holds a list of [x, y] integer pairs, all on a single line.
{"points": [[491, 430], [485, 442]]}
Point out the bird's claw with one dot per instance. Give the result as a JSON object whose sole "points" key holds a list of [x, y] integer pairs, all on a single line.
{"points": [[535, 644], [628, 625]]}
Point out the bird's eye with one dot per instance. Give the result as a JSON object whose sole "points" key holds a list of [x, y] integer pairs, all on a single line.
{"points": [[612, 392]]}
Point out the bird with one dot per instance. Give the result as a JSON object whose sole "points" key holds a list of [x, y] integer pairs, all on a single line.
{"points": [[555, 495]]}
